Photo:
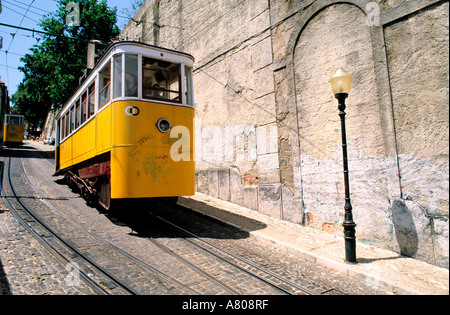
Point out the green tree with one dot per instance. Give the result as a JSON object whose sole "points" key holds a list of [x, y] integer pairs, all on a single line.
{"points": [[52, 69]]}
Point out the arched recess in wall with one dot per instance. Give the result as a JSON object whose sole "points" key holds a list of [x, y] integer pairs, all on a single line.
{"points": [[337, 36]]}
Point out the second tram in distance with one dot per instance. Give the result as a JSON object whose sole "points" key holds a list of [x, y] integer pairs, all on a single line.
{"points": [[127, 132], [13, 130]]}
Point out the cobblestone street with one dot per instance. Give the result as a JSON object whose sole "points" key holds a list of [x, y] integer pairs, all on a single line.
{"points": [[28, 268]]}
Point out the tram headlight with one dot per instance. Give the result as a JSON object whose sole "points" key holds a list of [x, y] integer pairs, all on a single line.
{"points": [[163, 125]]}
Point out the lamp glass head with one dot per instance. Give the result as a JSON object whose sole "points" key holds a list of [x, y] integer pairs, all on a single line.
{"points": [[341, 82]]}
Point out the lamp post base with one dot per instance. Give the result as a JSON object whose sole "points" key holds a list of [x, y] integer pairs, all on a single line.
{"points": [[350, 241]]}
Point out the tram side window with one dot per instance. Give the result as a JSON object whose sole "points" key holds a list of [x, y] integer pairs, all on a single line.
{"points": [[117, 76], [91, 100], [72, 118], [83, 106], [189, 85], [105, 84], [131, 75], [78, 114], [62, 127], [67, 124], [161, 80]]}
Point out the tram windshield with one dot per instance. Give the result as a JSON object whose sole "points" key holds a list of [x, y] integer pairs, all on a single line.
{"points": [[161, 80], [14, 120]]}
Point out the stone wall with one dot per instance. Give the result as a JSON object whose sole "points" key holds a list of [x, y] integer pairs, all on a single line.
{"points": [[267, 126]]}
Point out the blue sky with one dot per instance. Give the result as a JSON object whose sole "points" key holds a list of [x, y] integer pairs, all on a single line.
{"points": [[13, 12]]}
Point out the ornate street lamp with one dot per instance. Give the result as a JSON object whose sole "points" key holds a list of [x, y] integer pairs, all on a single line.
{"points": [[340, 85]]}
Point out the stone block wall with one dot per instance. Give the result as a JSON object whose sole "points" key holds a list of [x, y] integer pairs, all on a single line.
{"points": [[267, 127]]}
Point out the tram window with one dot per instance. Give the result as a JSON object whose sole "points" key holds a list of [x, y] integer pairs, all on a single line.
{"points": [[105, 83], [161, 80], [71, 120], [67, 125], [91, 100], [78, 114], [131, 75], [14, 120], [117, 76], [83, 106], [189, 85], [63, 127]]}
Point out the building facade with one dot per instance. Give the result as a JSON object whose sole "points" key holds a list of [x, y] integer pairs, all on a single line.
{"points": [[267, 126]]}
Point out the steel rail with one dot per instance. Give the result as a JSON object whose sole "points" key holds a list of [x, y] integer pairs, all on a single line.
{"points": [[155, 242], [246, 261], [192, 266], [181, 259], [102, 240], [152, 240], [97, 288], [29, 212], [206, 275]]}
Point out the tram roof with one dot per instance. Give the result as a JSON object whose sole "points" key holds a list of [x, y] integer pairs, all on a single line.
{"points": [[130, 47], [14, 115], [143, 46]]}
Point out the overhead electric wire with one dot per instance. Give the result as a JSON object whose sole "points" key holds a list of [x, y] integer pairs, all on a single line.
{"points": [[20, 14], [7, 67], [12, 40], [8, 52], [37, 8], [51, 34], [20, 24], [19, 5]]}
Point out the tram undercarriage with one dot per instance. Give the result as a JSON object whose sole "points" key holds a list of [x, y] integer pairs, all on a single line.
{"points": [[92, 178]]}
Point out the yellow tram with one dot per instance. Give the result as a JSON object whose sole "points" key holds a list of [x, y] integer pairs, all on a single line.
{"points": [[14, 129], [127, 132]]}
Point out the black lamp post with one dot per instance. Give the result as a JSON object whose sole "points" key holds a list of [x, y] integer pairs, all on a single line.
{"points": [[341, 84]]}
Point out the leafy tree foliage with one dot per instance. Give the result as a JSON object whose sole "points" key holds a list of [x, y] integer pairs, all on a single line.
{"points": [[52, 69]]}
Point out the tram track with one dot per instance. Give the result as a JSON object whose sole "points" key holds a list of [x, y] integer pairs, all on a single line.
{"points": [[226, 288], [284, 285], [47, 235], [279, 284], [104, 241], [26, 217], [186, 288]]}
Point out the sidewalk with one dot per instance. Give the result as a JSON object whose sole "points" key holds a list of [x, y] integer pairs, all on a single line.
{"points": [[378, 267]]}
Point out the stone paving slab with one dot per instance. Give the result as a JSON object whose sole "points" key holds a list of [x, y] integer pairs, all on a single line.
{"points": [[378, 267]]}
